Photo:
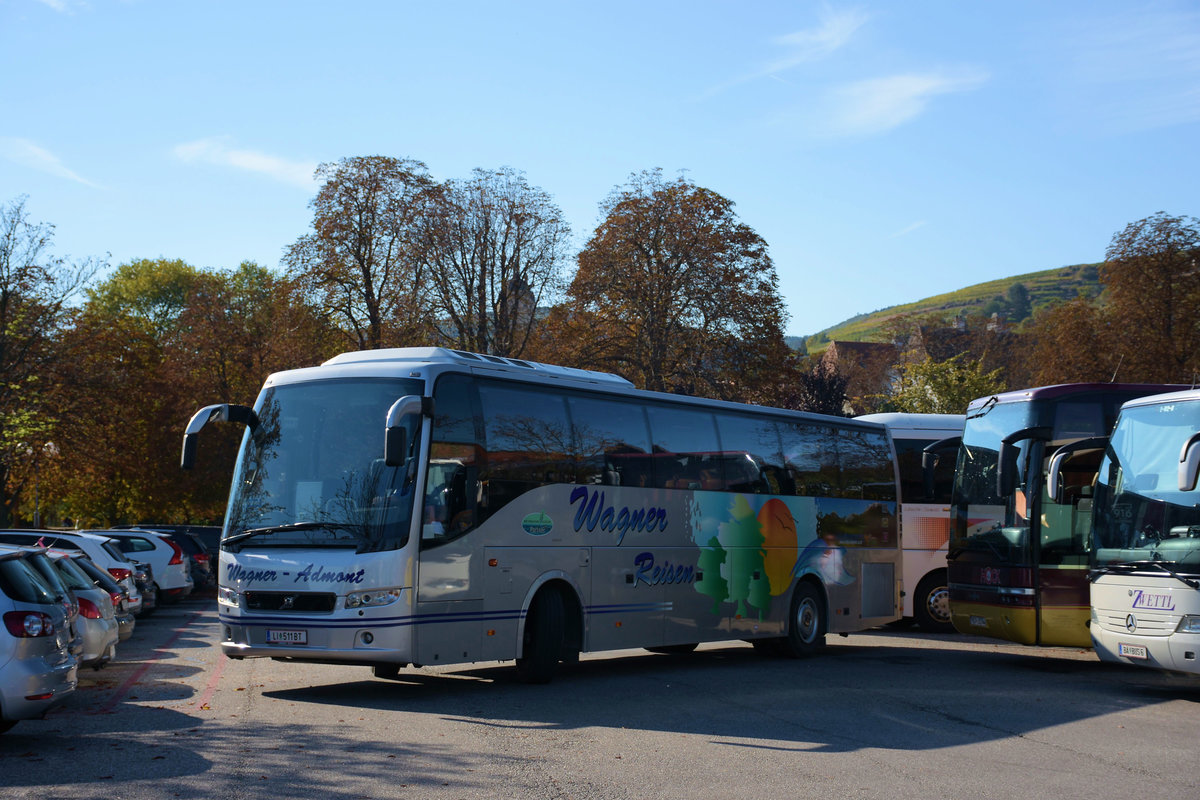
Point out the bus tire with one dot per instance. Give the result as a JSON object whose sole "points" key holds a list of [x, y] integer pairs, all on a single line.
{"points": [[931, 605], [387, 672], [674, 649], [806, 623], [542, 643]]}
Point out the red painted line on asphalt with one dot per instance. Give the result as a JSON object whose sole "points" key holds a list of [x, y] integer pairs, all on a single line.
{"points": [[211, 688], [124, 688]]}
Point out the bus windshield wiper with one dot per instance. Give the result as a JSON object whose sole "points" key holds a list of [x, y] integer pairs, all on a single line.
{"points": [[1136, 566], [291, 526]]}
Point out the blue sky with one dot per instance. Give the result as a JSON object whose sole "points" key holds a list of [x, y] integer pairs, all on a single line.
{"points": [[886, 151]]}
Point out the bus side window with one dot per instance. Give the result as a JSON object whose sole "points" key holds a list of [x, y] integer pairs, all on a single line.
{"points": [[610, 441], [682, 437]]}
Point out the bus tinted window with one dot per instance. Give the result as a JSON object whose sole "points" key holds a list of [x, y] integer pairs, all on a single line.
{"points": [[686, 449], [867, 470], [810, 457], [612, 442], [528, 440], [753, 460], [456, 461]]}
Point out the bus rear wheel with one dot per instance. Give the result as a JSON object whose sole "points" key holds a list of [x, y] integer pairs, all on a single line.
{"points": [[542, 644], [931, 606], [806, 624]]}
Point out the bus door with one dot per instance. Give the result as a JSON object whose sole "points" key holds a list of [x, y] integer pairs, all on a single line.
{"points": [[1061, 546]]}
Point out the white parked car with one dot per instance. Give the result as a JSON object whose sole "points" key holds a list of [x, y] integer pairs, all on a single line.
{"points": [[103, 551], [172, 572]]}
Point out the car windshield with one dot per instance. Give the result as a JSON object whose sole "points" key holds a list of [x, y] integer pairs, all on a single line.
{"points": [[1140, 512], [313, 474]]}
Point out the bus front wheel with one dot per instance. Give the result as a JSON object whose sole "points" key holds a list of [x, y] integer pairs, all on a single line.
{"points": [[806, 625], [931, 606], [542, 644]]}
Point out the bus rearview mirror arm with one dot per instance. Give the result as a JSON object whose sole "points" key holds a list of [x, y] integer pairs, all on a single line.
{"points": [[1006, 464], [221, 412], [1189, 463], [395, 440], [1053, 484], [930, 454]]}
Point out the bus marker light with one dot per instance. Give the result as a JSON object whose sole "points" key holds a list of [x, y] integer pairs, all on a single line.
{"points": [[493, 562], [618, 624], [491, 633]]}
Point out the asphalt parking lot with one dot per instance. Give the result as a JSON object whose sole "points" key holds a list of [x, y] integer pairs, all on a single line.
{"points": [[885, 713]]}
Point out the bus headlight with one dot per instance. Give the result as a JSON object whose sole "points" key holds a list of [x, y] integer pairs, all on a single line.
{"points": [[372, 597], [227, 596], [1189, 624]]}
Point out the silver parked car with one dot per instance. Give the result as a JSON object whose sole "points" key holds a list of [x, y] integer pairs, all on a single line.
{"points": [[37, 669], [97, 620], [125, 617]]}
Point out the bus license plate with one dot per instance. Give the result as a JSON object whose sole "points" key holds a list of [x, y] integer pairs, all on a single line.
{"points": [[1131, 650], [287, 637]]}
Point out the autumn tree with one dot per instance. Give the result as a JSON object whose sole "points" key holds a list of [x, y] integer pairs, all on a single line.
{"points": [[157, 340], [494, 253], [676, 293], [1152, 294], [1071, 343], [36, 288], [361, 262]]}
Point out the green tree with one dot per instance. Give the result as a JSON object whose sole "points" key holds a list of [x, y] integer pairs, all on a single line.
{"points": [[152, 291], [676, 293], [946, 387], [1018, 302], [361, 264], [35, 290]]}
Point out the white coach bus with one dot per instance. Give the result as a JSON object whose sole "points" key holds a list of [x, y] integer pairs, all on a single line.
{"points": [[1145, 533], [428, 506], [925, 510]]}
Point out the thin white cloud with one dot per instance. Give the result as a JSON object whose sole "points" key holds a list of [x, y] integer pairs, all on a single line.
{"points": [[835, 30], [217, 151], [906, 231], [814, 44], [1137, 70], [878, 105], [57, 5], [29, 154]]}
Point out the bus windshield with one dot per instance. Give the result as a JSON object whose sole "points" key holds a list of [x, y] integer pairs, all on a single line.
{"points": [[1140, 514], [313, 474], [983, 520]]}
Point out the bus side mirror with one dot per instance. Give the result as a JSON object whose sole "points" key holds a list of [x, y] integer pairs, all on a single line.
{"points": [[1007, 467], [930, 455], [1053, 474], [395, 439], [1189, 463], [221, 412]]}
